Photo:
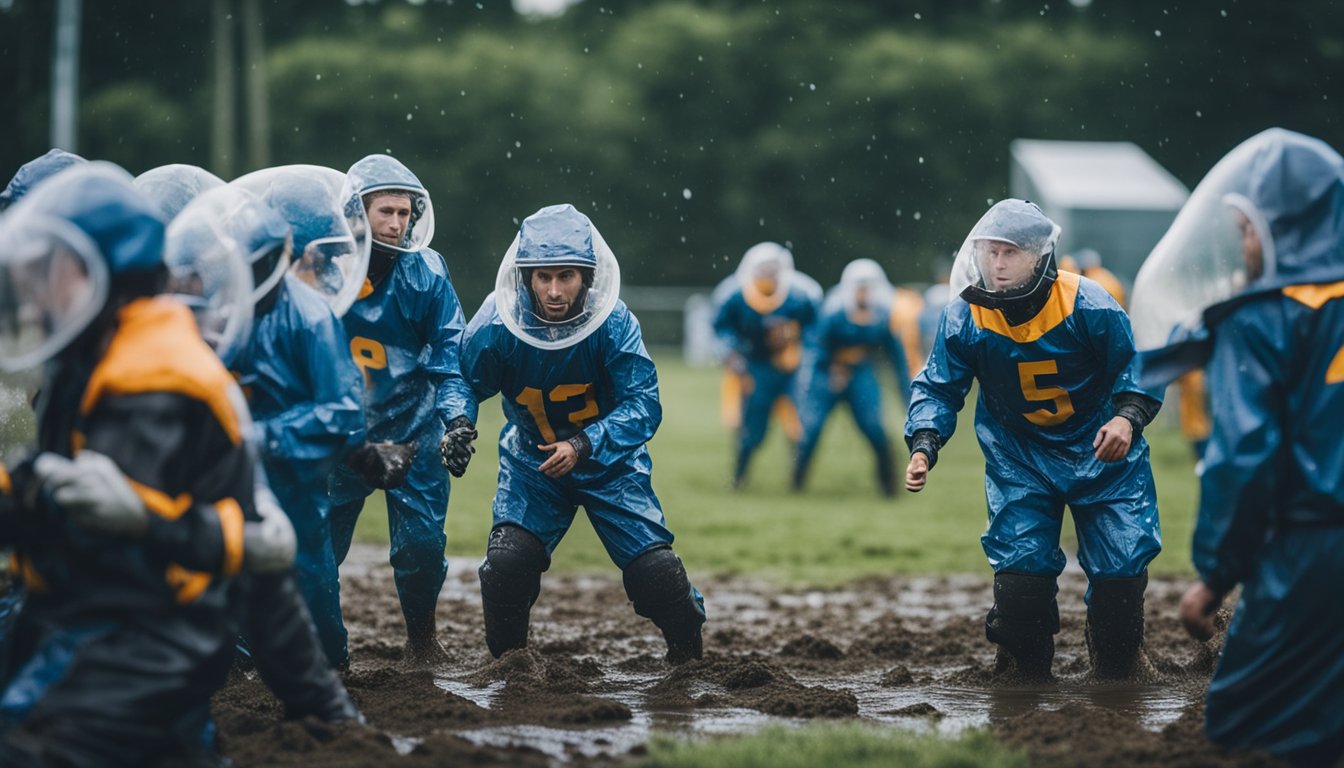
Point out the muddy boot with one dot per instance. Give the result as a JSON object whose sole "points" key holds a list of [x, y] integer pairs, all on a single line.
{"points": [[1115, 628], [886, 475], [288, 655], [656, 583], [798, 478], [510, 583], [1023, 623], [423, 648]]}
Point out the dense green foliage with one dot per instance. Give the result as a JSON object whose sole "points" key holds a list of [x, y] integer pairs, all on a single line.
{"points": [[690, 130], [838, 530], [853, 746]]}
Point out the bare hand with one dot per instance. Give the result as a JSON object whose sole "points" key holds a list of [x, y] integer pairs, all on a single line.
{"points": [[1113, 439], [563, 458], [917, 473], [1199, 604]]}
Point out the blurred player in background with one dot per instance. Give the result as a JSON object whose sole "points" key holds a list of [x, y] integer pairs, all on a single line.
{"points": [[1059, 419], [580, 396], [1250, 280], [760, 323], [839, 364]]}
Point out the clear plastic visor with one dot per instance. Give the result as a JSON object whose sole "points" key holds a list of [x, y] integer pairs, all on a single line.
{"points": [[420, 230], [53, 282], [335, 259], [208, 271], [1203, 259], [523, 315]]}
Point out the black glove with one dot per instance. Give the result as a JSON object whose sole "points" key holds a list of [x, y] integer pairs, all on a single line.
{"points": [[456, 446], [382, 465]]}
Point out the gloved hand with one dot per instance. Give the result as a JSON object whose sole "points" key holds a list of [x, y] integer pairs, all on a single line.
{"points": [[456, 446], [92, 489], [382, 465], [269, 544]]}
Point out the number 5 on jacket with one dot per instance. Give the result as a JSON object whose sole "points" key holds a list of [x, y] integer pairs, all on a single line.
{"points": [[1027, 373]]}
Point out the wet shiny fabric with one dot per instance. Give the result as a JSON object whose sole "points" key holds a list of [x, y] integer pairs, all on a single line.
{"points": [[1045, 391], [605, 385], [303, 389], [405, 336]]}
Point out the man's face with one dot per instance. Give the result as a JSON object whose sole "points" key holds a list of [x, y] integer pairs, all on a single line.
{"points": [[765, 278], [389, 216], [1251, 248], [557, 289], [1005, 266]]}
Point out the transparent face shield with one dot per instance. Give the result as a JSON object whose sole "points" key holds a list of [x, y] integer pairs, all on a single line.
{"points": [[172, 187], [1201, 260], [208, 272], [331, 233], [53, 283], [420, 229], [996, 263], [765, 273], [521, 313], [864, 289]]}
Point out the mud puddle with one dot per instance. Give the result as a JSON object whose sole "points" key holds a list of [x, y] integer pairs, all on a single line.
{"points": [[592, 688]]}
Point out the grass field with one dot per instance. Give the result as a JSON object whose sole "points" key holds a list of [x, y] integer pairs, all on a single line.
{"points": [[838, 530], [853, 746]]}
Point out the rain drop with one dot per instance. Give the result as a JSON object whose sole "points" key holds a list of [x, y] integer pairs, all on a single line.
{"points": [[686, 194]]}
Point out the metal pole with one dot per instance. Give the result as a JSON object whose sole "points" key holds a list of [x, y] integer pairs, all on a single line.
{"points": [[65, 76]]}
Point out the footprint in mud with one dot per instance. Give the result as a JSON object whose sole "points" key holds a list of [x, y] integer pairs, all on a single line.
{"points": [[812, 647], [750, 682], [549, 688]]}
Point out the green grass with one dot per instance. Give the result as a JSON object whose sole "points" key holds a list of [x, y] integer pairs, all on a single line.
{"points": [[836, 531], [853, 746]]}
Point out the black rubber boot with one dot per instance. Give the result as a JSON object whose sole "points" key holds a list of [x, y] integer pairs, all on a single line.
{"points": [[422, 642], [657, 585], [1115, 627], [510, 584], [886, 474], [1023, 623], [287, 654]]}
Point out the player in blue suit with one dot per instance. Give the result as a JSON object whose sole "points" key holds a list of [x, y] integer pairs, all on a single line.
{"points": [[839, 364], [303, 388], [405, 330], [761, 322], [580, 395], [1252, 276], [1060, 419]]}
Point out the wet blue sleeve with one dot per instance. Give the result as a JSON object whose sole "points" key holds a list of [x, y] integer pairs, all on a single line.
{"points": [[939, 391], [634, 380], [725, 326], [481, 370], [1240, 486], [333, 419], [443, 328], [891, 341]]}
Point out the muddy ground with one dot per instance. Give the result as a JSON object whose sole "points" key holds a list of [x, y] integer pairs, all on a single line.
{"points": [[592, 686]]}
